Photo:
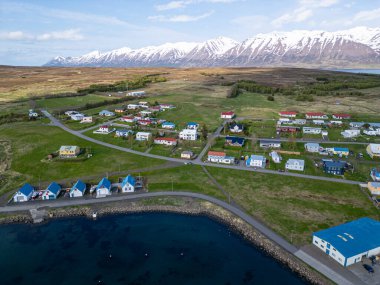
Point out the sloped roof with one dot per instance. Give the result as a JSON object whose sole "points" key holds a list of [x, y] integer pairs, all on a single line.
{"points": [[104, 183], [354, 237], [80, 185], [54, 188], [26, 189], [129, 179]]}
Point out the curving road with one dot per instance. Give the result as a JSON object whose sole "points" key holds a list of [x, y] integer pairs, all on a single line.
{"points": [[198, 161], [338, 278]]}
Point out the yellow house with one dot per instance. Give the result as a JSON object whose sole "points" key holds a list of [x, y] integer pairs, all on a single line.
{"points": [[69, 151], [373, 150], [374, 188], [187, 154]]}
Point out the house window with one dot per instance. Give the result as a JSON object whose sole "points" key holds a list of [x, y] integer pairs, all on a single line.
{"points": [[316, 242], [322, 246], [334, 249]]}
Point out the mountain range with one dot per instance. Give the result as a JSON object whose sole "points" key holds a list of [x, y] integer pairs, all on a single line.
{"points": [[353, 47]]}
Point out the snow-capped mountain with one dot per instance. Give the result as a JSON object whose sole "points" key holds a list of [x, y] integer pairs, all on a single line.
{"points": [[355, 46]]}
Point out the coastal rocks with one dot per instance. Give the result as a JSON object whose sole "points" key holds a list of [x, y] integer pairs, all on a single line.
{"points": [[16, 219]]}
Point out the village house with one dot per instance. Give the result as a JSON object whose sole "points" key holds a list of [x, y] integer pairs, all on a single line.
{"points": [[234, 141], [104, 130], [373, 150], [341, 151], [334, 167], [220, 157], [128, 184], [155, 109], [69, 151], [275, 157], [143, 136], [289, 114], [341, 116], [86, 120], [295, 164], [69, 113], [375, 174], [284, 120], [77, 117], [287, 129], [127, 119], [227, 115], [168, 125], [51, 192], [374, 188], [256, 161], [270, 144], [361, 124], [192, 126], [136, 93], [319, 122], [166, 106], [166, 141], [350, 133], [372, 132], [316, 115], [145, 113], [133, 106], [187, 154], [32, 114], [349, 243], [310, 130], [236, 128], [123, 133], [336, 123], [313, 147], [103, 189], [119, 110], [24, 193], [299, 122], [144, 104], [78, 189], [145, 122], [188, 134], [106, 113]]}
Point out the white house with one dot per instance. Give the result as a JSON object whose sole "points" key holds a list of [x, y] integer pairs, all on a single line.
{"points": [[349, 243], [123, 133], [166, 141], [316, 116], [220, 157], [192, 126], [289, 114], [133, 106], [236, 128], [77, 117], [313, 147], [353, 133], [299, 122], [143, 136], [51, 192], [188, 134], [168, 125], [187, 154], [32, 114], [372, 132], [24, 193], [337, 123], [310, 130], [275, 157], [373, 150], [270, 144], [103, 189], [136, 93], [295, 164], [128, 184], [104, 130], [78, 189], [106, 113], [227, 115], [319, 122], [256, 161], [87, 119]]}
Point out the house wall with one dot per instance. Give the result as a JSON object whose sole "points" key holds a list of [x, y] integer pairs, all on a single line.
{"points": [[128, 188], [330, 250], [76, 193]]}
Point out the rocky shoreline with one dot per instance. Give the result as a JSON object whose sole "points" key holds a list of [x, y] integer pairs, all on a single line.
{"points": [[187, 206]]}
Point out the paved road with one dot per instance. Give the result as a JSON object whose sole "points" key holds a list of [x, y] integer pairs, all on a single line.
{"points": [[333, 275], [198, 160], [303, 140]]}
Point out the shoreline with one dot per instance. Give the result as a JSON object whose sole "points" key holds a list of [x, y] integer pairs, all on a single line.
{"points": [[184, 206]]}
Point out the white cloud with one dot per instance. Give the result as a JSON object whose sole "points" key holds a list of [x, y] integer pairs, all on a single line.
{"points": [[69, 35], [180, 18], [251, 22], [367, 15], [178, 4], [318, 3], [299, 15]]}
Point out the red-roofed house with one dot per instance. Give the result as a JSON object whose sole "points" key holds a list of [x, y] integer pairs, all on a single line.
{"points": [[288, 114], [316, 115], [127, 119], [227, 115], [220, 157], [144, 122], [341, 116], [165, 141]]}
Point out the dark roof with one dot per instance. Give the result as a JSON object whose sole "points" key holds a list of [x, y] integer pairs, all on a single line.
{"points": [[340, 164], [236, 140]]}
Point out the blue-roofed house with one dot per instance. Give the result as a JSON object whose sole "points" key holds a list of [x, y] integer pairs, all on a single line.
{"points": [[78, 189], [375, 174], [334, 167], [374, 188], [341, 151], [51, 192], [235, 141], [103, 188], [256, 161], [24, 193], [106, 113], [128, 184], [168, 125], [192, 125], [349, 243]]}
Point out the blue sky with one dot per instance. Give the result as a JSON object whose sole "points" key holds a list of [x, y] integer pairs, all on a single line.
{"points": [[32, 32]]}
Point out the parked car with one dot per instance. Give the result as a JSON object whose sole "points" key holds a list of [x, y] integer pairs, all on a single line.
{"points": [[368, 268]]}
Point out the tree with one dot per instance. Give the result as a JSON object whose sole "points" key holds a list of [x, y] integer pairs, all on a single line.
{"points": [[270, 98], [366, 126], [204, 132]]}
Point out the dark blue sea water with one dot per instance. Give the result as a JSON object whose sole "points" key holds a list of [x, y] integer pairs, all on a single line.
{"points": [[112, 250]]}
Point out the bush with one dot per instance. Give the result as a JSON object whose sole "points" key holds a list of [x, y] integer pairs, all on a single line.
{"points": [[270, 98], [305, 97]]}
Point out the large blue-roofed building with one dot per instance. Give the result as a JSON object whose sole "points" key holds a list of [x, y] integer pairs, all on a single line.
{"points": [[349, 243]]}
